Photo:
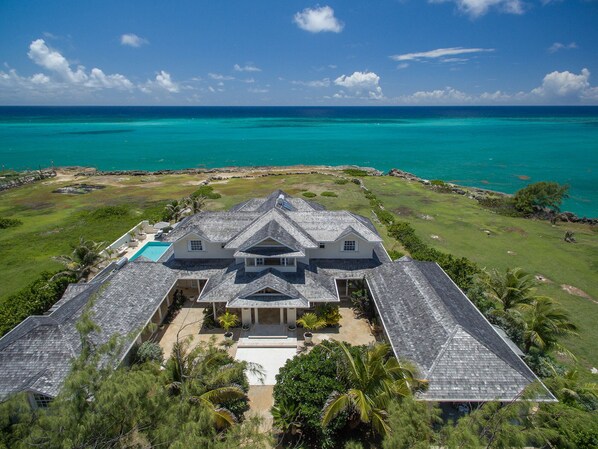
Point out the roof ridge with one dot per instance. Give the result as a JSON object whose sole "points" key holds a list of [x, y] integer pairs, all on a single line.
{"points": [[444, 348]]}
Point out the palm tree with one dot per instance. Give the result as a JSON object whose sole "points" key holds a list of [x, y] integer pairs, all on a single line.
{"points": [[196, 203], [84, 257], [544, 322], [228, 320], [374, 377], [286, 419], [205, 376], [510, 289], [174, 209], [311, 322]]}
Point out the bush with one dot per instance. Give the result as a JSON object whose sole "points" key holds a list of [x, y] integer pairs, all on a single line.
{"points": [[6, 223], [503, 205], [541, 195], [461, 270], [329, 313], [306, 381], [438, 182], [309, 194], [35, 299], [207, 191], [110, 212], [341, 181], [330, 194], [355, 172], [356, 181], [384, 216], [149, 351], [394, 254]]}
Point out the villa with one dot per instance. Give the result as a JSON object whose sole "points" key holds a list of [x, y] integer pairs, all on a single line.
{"points": [[269, 260]]}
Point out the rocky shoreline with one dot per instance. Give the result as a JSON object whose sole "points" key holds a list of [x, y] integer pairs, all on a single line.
{"points": [[474, 193]]}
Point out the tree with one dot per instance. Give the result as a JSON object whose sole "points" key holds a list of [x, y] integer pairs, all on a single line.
{"points": [[412, 423], [311, 321], [208, 377], [228, 320], [286, 419], [511, 289], [544, 322], [196, 203], [540, 195], [174, 210], [373, 378], [84, 257]]}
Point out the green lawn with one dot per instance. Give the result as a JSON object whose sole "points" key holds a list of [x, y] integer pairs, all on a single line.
{"points": [[53, 222]]}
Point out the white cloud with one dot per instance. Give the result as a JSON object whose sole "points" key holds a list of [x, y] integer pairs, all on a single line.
{"points": [[52, 60], [40, 78], [218, 76], [565, 85], [97, 78], [317, 20], [448, 95], [315, 83], [439, 53], [559, 46], [132, 40], [362, 81], [246, 68], [477, 8], [257, 90], [249, 80], [165, 82]]}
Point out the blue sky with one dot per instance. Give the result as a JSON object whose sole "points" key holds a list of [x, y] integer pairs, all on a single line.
{"points": [[287, 52]]}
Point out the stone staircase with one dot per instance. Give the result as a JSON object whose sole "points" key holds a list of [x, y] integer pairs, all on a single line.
{"points": [[268, 336]]}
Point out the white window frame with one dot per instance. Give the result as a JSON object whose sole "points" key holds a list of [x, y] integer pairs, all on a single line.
{"points": [[190, 246], [322, 245], [355, 247], [259, 261]]}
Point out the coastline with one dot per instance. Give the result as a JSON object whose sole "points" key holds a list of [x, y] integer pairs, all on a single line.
{"points": [[70, 173]]}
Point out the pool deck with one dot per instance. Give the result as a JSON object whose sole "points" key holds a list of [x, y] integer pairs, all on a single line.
{"points": [[132, 250]]}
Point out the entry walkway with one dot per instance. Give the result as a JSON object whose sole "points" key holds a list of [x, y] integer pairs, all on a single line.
{"points": [[270, 346]]}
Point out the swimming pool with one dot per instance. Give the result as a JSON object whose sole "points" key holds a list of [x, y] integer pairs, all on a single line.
{"points": [[151, 250]]}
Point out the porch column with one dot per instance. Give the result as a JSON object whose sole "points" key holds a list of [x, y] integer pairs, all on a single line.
{"points": [[291, 316], [257, 321], [246, 317], [281, 315], [214, 309], [346, 287]]}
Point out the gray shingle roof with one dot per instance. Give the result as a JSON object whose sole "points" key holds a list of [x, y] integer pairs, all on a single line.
{"points": [[430, 321]]}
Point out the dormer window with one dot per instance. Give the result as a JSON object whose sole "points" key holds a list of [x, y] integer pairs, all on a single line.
{"points": [[195, 245], [322, 245], [350, 245]]}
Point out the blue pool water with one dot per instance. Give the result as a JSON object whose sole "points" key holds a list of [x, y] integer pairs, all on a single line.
{"points": [[152, 250]]}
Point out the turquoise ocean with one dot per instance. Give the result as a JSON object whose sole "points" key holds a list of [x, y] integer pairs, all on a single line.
{"points": [[499, 148]]}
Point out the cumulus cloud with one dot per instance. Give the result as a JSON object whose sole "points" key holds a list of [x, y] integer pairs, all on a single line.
{"points": [[448, 95], [559, 46], [164, 80], [318, 20], [360, 82], [477, 8], [257, 90], [439, 53], [565, 85], [246, 68], [132, 40], [52, 60]]}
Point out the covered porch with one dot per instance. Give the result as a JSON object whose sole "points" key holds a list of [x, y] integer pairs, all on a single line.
{"points": [[256, 315]]}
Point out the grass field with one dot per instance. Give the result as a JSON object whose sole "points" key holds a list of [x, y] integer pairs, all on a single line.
{"points": [[53, 222]]}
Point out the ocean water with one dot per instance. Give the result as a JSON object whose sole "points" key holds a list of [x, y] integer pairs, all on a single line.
{"points": [[500, 148]]}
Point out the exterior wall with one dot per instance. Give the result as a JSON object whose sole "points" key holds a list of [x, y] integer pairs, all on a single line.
{"points": [[291, 317], [333, 250], [246, 317], [211, 250]]}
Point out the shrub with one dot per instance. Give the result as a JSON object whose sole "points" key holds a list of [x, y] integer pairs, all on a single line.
{"points": [[330, 194], [503, 205], [309, 194], [149, 351], [6, 223], [110, 212], [341, 181], [356, 181], [207, 191], [384, 216], [394, 254], [355, 172], [541, 195], [306, 381], [438, 182], [329, 313], [35, 299]]}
